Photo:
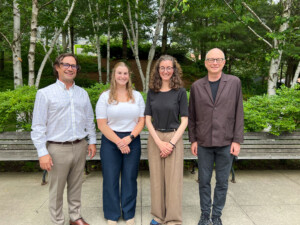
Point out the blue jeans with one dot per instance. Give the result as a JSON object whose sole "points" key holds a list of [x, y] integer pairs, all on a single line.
{"points": [[207, 157], [114, 163]]}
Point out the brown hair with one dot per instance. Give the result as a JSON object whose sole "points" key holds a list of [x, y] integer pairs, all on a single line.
{"points": [[155, 82], [60, 58], [113, 98]]}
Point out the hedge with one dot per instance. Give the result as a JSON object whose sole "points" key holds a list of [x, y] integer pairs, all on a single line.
{"points": [[278, 113]]}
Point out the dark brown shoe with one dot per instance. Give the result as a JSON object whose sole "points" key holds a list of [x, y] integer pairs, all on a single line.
{"points": [[78, 222]]}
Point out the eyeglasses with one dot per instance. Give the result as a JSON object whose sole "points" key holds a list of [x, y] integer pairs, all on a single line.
{"points": [[212, 60], [67, 65], [168, 69]]}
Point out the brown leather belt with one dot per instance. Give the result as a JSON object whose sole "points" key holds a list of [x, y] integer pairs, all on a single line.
{"points": [[66, 143]]}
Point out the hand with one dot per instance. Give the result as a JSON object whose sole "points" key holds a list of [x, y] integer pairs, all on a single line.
{"points": [[123, 146], [127, 140], [46, 162], [125, 149], [235, 148], [122, 143], [165, 149], [92, 150], [194, 148]]}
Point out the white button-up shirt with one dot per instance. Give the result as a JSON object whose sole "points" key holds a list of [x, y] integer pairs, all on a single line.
{"points": [[61, 115]]}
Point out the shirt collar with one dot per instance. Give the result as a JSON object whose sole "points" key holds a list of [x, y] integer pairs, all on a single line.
{"points": [[63, 86]]}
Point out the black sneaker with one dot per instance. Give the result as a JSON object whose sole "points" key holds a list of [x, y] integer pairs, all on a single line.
{"points": [[216, 221], [204, 220]]}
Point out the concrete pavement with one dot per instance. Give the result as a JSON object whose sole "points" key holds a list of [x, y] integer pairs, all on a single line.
{"points": [[258, 198]]}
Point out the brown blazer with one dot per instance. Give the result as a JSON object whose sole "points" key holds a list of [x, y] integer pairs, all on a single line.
{"points": [[220, 123]]}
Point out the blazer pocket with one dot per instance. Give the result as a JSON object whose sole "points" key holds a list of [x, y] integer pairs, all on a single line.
{"points": [[202, 131], [229, 128]]}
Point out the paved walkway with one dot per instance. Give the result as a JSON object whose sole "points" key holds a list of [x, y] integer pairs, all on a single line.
{"points": [[258, 198]]}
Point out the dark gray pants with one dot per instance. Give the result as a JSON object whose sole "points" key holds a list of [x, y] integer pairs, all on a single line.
{"points": [[207, 157]]}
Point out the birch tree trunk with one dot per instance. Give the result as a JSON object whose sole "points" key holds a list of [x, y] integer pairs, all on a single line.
{"points": [[160, 21], [134, 37], [64, 40], [98, 46], [294, 82], [96, 37], [69, 34], [32, 46], [275, 62], [57, 33], [108, 45], [16, 46]]}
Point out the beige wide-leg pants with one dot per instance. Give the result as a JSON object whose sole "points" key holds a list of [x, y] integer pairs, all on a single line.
{"points": [[166, 178], [68, 164]]}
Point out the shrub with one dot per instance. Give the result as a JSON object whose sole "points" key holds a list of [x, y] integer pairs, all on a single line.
{"points": [[280, 112], [95, 91], [16, 108]]}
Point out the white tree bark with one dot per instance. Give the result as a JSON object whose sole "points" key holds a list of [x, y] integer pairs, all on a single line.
{"points": [[96, 37], [57, 33], [32, 46], [275, 62], [69, 34], [108, 45], [16, 46], [64, 40], [296, 76], [134, 37], [159, 22]]}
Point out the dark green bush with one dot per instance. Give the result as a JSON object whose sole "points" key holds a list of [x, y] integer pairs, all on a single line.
{"points": [[16, 108], [95, 91], [279, 113]]}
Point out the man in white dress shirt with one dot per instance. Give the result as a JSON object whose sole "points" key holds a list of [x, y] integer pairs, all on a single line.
{"points": [[63, 119]]}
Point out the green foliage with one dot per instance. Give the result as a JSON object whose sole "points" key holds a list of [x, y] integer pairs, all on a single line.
{"points": [[16, 108], [95, 91], [280, 112]]}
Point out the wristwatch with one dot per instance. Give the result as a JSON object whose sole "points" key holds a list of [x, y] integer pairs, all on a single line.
{"points": [[132, 137]]}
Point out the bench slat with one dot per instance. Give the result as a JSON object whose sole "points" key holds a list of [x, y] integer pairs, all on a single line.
{"points": [[18, 146]]}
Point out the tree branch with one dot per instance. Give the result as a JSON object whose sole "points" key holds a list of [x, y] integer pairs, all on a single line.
{"points": [[130, 21], [6, 39], [128, 35], [47, 3], [257, 17], [250, 28]]}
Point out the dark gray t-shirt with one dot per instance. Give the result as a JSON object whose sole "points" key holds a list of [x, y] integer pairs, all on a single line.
{"points": [[166, 108], [214, 86]]}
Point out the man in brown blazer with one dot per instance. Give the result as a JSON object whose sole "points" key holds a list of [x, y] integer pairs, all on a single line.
{"points": [[216, 125]]}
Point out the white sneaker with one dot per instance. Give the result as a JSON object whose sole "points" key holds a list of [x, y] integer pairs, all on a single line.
{"points": [[111, 222], [130, 222]]}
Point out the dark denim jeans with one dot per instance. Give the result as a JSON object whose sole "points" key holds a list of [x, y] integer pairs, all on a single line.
{"points": [[114, 163], [207, 157]]}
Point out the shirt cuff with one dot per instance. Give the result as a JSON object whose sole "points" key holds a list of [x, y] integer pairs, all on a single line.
{"points": [[92, 141], [42, 152]]}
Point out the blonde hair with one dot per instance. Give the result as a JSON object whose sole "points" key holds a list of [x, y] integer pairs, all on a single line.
{"points": [[113, 97]]}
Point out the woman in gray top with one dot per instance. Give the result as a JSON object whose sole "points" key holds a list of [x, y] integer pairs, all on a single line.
{"points": [[166, 118]]}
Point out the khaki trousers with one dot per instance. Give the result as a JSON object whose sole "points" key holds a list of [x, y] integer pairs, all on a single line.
{"points": [[166, 178], [68, 164]]}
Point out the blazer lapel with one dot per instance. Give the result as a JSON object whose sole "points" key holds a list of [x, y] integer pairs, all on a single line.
{"points": [[208, 89], [222, 85]]}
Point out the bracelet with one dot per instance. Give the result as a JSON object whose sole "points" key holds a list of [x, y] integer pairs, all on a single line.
{"points": [[174, 146]]}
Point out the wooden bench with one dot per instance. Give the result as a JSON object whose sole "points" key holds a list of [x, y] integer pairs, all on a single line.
{"points": [[17, 146]]}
